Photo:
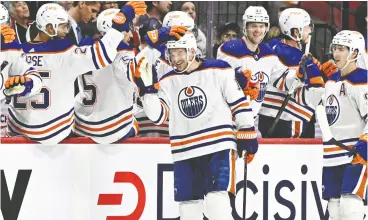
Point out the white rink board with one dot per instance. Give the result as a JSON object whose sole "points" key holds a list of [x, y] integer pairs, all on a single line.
{"points": [[65, 182]]}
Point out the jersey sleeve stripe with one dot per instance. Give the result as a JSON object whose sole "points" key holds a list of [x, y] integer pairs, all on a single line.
{"points": [[94, 58], [160, 117], [238, 101], [242, 110], [217, 141], [97, 48], [104, 52], [300, 111]]}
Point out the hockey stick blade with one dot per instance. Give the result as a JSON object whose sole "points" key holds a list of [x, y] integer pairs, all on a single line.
{"points": [[326, 132]]}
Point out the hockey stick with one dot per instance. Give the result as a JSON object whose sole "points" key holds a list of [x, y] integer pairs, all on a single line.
{"points": [[3, 65], [245, 179], [291, 92], [326, 132]]}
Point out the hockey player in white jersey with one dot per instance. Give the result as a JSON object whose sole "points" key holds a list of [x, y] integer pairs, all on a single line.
{"points": [[345, 98], [48, 117], [104, 105], [296, 25], [162, 66], [18, 78], [200, 98], [254, 61]]}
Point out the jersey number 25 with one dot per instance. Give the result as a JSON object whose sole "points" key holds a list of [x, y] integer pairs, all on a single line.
{"points": [[46, 96]]}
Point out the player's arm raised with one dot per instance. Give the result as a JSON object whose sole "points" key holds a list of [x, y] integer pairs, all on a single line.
{"points": [[242, 112], [154, 101], [103, 52]]}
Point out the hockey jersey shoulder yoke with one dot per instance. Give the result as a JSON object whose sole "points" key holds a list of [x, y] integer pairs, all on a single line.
{"points": [[289, 56], [10, 46], [357, 77], [238, 49], [51, 47]]}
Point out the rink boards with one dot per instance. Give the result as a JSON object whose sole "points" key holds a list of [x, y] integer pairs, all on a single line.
{"points": [[135, 181]]}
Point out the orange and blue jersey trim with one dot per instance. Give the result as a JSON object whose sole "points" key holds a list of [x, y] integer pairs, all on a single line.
{"points": [[99, 55], [44, 131], [333, 151], [239, 106], [274, 100], [202, 138], [106, 127]]}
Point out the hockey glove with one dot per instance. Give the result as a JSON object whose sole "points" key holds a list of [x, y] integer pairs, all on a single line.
{"points": [[145, 77], [160, 36], [243, 77], [252, 91], [361, 148], [330, 70], [18, 86], [123, 19], [247, 141], [7, 34], [309, 68]]}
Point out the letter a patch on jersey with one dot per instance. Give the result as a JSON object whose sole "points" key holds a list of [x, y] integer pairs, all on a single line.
{"points": [[192, 101]]}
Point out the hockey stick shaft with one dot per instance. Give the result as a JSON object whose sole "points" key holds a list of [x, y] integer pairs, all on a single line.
{"points": [[245, 179], [288, 97], [326, 132]]}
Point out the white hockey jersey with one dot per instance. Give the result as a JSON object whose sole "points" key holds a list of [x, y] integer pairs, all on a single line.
{"points": [[13, 62], [264, 64], [296, 110], [346, 104], [49, 116], [200, 106], [104, 105]]}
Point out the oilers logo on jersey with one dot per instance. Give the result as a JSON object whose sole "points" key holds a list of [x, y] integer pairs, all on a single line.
{"points": [[332, 109], [192, 101], [263, 80]]}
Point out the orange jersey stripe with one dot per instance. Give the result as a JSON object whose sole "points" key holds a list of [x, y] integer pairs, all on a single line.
{"points": [[232, 187], [44, 131], [246, 104], [288, 105], [202, 138], [99, 54], [107, 126]]}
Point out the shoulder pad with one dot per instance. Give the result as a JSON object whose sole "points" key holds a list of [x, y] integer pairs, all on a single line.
{"points": [[11, 46], [214, 64], [236, 48], [289, 55], [87, 42], [274, 42], [124, 46], [265, 50], [358, 76]]}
